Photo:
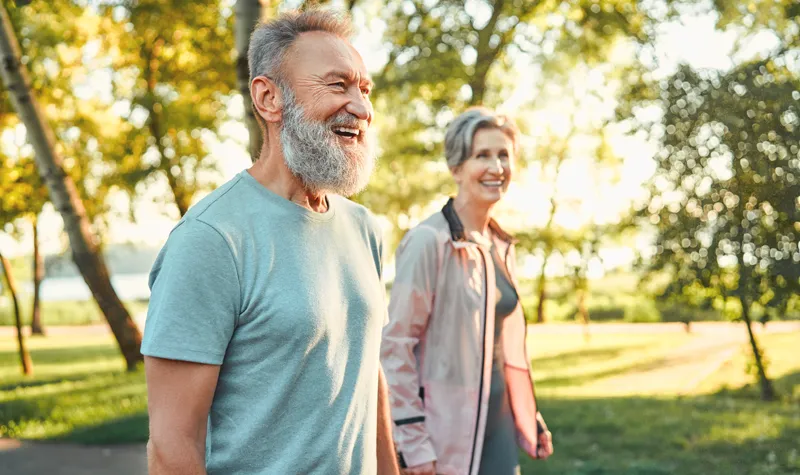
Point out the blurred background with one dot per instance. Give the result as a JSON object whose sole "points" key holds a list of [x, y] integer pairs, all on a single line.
{"points": [[656, 200]]}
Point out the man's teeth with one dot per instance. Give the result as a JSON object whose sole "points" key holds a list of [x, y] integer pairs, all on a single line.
{"points": [[347, 131]]}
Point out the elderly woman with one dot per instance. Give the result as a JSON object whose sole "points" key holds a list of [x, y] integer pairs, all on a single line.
{"points": [[454, 349]]}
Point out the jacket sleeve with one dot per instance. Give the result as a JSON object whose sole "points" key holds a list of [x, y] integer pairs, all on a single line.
{"points": [[410, 306]]}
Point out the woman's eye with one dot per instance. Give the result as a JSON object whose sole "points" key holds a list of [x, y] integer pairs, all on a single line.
{"points": [[340, 84]]}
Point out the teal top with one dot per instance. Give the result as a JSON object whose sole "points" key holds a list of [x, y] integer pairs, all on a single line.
{"points": [[289, 303], [500, 455]]}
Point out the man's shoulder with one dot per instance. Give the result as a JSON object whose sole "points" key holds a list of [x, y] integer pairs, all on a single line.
{"points": [[224, 204], [358, 212]]}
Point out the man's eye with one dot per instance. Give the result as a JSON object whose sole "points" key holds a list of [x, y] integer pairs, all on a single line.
{"points": [[339, 84]]}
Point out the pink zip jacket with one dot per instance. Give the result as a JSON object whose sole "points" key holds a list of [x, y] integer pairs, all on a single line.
{"points": [[437, 347]]}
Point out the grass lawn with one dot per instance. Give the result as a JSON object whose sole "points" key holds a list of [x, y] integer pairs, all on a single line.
{"points": [[81, 394], [83, 312]]}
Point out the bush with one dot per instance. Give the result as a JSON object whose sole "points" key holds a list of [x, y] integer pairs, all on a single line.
{"points": [[676, 312], [642, 311], [606, 314]]}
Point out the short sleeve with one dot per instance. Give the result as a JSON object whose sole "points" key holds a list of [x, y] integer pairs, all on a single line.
{"points": [[195, 296]]}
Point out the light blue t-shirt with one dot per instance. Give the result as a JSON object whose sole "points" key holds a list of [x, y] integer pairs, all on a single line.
{"points": [[290, 303]]}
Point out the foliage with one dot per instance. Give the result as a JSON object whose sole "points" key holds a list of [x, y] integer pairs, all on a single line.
{"points": [[443, 57], [172, 66], [724, 199]]}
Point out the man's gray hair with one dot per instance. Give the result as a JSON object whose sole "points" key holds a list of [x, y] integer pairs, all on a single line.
{"points": [[461, 132], [271, 40]]}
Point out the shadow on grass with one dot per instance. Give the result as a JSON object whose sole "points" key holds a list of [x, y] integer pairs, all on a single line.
{"points": [[785, 386], [110, 401], [64, 355], [656, 362], [123, 430], [569, 358], [703, 435], [74, 377]]}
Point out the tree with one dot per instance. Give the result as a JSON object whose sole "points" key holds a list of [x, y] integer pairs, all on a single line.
{"points": [[173, 65], [248, 13], [725, 195], [24, 195], [24, 356], [65, 196], [443, 57]]}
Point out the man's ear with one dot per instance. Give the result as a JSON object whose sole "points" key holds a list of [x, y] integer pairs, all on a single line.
{"points": [[267, 99]]}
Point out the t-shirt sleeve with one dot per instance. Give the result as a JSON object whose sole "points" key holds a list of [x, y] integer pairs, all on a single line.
{"points": [[195, 297]]}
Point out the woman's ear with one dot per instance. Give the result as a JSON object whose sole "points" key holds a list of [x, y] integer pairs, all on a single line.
{"points": [[456, 172]]}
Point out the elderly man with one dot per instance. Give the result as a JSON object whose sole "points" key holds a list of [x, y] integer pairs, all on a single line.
{"points": [[264, 325]]}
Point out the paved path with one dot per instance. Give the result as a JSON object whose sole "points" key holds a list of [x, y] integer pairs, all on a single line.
{"points": [[684, 368], [29, 458]]}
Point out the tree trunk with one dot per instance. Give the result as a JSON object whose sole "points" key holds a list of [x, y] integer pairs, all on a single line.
{"points": [[65, 197], [38, 275], [248, 13], [24, 357], [767, 390], [542, 291], [583, 312]]}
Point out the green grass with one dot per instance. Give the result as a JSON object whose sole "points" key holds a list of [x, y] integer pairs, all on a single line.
{"points": [[64, 313], [720, 428], [80, 393]]}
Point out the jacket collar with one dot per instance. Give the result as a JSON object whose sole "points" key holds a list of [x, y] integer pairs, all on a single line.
{"points": [[457, 228]]}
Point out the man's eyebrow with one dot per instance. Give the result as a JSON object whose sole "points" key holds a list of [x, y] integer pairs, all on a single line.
{"points": [[349, 77]]}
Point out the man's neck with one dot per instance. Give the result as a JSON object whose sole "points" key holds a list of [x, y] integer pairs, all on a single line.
{"points": [[271, 171]]}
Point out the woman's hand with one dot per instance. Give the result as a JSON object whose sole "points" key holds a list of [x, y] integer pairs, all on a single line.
{"points": [[545, 440], [424, 469]]}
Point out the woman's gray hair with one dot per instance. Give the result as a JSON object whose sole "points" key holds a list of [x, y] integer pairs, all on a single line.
{"points": [[461, 132], [271, 40]]}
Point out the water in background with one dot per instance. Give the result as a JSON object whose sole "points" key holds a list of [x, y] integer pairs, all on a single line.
{"points": [[57, 289]]}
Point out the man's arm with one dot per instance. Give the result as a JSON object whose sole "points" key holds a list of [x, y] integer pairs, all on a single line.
{"points": [[179, 396], [387, 458]]}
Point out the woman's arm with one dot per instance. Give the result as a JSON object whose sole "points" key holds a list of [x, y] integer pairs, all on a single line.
{"points": [[410, 306]]}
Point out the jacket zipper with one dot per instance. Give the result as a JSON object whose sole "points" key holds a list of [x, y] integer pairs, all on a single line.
{"points": [[483, 360]]}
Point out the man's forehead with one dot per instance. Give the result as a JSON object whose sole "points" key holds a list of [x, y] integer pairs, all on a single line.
{"points": [[320, 53]]}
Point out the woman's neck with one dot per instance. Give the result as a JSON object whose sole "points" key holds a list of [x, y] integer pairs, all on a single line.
{"points": [[475, 218]]}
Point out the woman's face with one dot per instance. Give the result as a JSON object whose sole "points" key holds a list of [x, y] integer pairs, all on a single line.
{"points": [[483, 177]]}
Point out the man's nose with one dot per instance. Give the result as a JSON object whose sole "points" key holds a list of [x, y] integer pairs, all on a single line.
{"points": [[360, 107]]}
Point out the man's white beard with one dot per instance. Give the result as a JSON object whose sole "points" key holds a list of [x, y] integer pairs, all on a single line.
{"points": [[314, 154]]}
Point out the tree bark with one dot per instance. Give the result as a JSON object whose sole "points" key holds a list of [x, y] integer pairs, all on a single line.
{"points": [[64, 196], [24, 357], [767, 389], [248, 13], [583, 312], [541, 289], [38, 274]]}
